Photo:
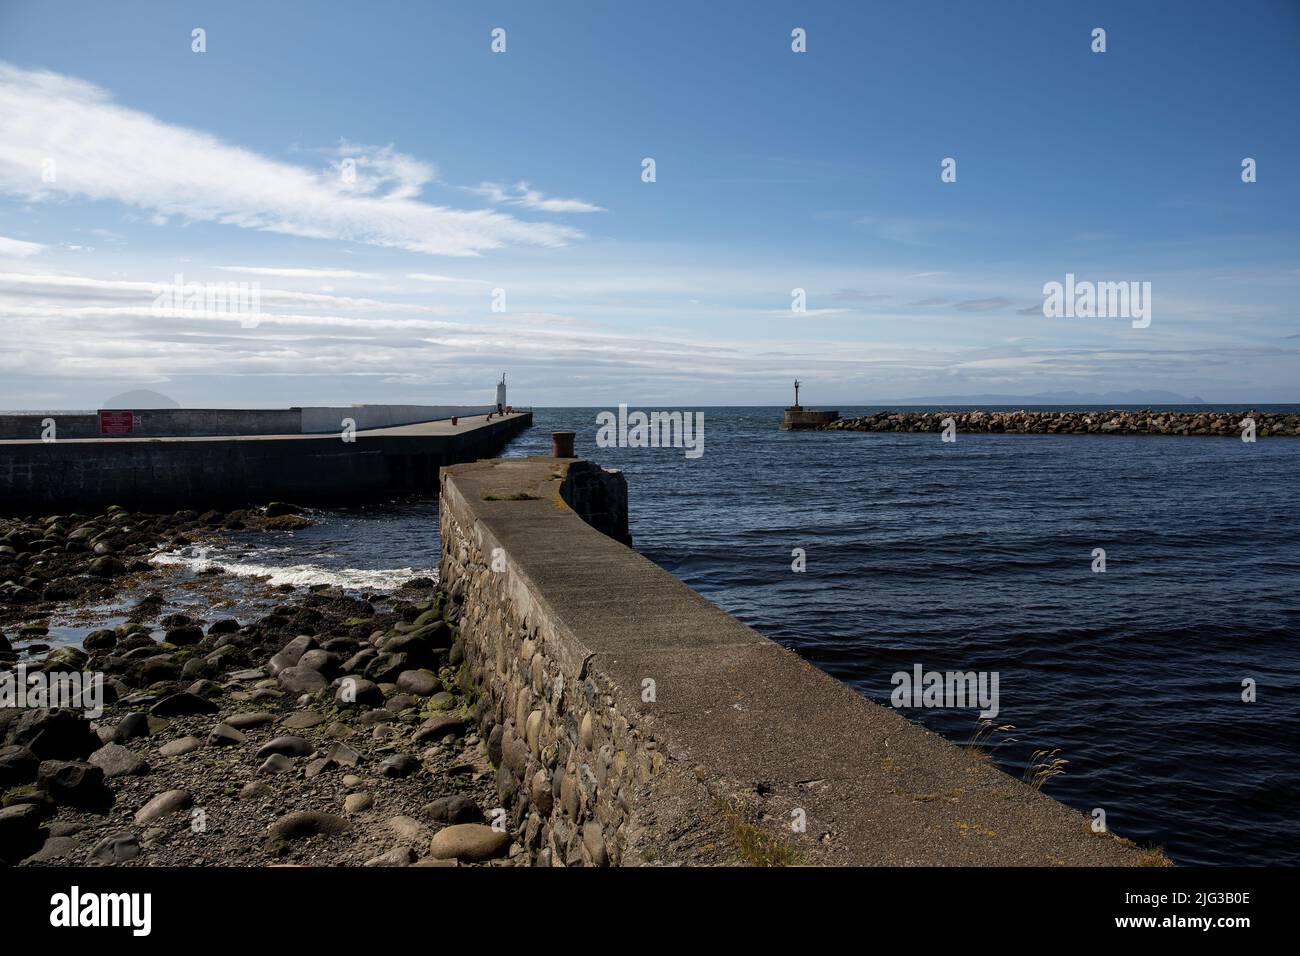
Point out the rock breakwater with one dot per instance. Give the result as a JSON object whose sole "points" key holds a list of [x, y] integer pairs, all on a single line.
{"points": [[1114, 422]]}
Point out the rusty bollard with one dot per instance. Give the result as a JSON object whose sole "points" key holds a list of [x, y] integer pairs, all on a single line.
{"points": [[562, 444]]}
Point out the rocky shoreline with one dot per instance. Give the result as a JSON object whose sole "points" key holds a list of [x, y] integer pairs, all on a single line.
{"points": [[1113, 422], [336, 729]]}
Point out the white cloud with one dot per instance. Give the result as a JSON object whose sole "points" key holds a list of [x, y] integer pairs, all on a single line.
{"points": [[18, 249], [453, 280], [522, 194], [290, 273], [64, 289], [104, 151]]}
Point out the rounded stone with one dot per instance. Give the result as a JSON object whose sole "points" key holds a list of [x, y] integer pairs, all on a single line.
{"points": [[358, 803], [183, 745], [469, 843], [167, 802], [288, 746]]}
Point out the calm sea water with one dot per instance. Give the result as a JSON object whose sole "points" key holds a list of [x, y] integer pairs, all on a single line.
{"points": [[978, 555]]}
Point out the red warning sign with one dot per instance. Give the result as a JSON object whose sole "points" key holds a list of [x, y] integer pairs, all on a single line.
{"points": [[116, 423]]}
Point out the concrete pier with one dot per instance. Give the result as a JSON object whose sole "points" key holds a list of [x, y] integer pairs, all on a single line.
{"points": [[635, 722], [217, 471]]}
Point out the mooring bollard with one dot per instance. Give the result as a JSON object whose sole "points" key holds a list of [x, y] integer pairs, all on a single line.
{"points": [[455, 419], [562, 444]]}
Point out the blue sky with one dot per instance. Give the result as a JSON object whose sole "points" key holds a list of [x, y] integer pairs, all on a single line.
{"points": [[521, 171]]}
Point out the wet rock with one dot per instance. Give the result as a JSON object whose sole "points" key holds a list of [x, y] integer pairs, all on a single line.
{"points": [[107, 567], [102, 640], [184, 636], [469, 843], [224, 626], [158, 668], [164, 804]]}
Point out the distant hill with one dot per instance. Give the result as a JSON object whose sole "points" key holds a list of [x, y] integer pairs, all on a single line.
{"points": [[1138, 396], [140, 398]]}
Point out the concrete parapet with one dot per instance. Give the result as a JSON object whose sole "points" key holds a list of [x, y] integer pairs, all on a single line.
{"points": [[632, 721]]}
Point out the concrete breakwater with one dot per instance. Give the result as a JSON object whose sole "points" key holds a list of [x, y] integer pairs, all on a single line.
{"points": [[1115, 422], [236, 469], [631, 721]]}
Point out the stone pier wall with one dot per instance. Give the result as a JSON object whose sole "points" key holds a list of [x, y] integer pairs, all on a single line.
{"points": [[569, 764], [630, 721]]}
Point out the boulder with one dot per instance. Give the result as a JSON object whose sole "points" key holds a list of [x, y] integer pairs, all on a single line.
{"points": [[302, 680], [117, 761], [469, 843], [56, 735], [18, 766], [74, 783]]}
